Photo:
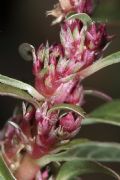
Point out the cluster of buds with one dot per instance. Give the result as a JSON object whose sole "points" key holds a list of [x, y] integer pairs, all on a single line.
{"points": [[36, 132], [55, 67], [65, 7], [83, 46], [51, 70]]}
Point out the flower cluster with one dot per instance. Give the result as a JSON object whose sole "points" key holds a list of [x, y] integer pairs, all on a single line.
{"points": [[83, 46], [52, 69], [34, 134], [37, 131], [65, 7]]}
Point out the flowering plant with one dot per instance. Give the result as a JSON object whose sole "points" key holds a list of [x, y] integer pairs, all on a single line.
{"points": [[41, 140]]}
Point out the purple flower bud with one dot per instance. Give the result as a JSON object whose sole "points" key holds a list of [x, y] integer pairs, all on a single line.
{"points": [[70, 124]]}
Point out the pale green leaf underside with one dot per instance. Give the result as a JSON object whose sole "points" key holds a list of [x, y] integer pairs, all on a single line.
{"points": [[87, 151], [86, 20], [77, 168], [100, 64], [6, 90], [108, 113], [5, 173], [21, 85]]}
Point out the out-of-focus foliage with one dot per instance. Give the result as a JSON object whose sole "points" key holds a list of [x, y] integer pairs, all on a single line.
{"points": [[108, 10]]}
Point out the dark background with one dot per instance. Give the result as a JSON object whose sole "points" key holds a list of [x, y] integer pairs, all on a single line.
{"points": [[25, 21]]}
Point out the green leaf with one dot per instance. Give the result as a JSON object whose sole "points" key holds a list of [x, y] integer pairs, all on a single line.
{"points": [[21, 85], [86, 20], [5, 173], [100, 64], [87, 151], [6, 90], [108, 113], [77, 109], [70, 170], [68, 145]]}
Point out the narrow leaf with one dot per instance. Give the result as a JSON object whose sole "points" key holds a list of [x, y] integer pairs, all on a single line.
{"points": [[5, 173], [77, 168], [69, 145], [21, 85], [86, 20], [70, 107], [6, 90], [100, 64], [87, 151], [108, 114]]}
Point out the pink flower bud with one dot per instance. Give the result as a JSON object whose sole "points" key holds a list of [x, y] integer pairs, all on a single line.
{"points": [[71, 37], [46, 76], [29, 113], [69, 123], [76, 95], [53, 68], [97, 37], [83, 6], [65, 7], [82, 46]]}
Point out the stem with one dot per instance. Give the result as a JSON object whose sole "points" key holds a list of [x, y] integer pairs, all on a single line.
{"points": [[98, 94]]}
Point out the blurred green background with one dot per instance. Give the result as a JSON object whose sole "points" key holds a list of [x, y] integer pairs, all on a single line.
{"points": [[25, 21]]}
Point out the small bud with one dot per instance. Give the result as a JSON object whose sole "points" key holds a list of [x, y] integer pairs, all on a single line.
{"points": [[97, 38], [76, 95], [69, 123], [28, 115]]}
